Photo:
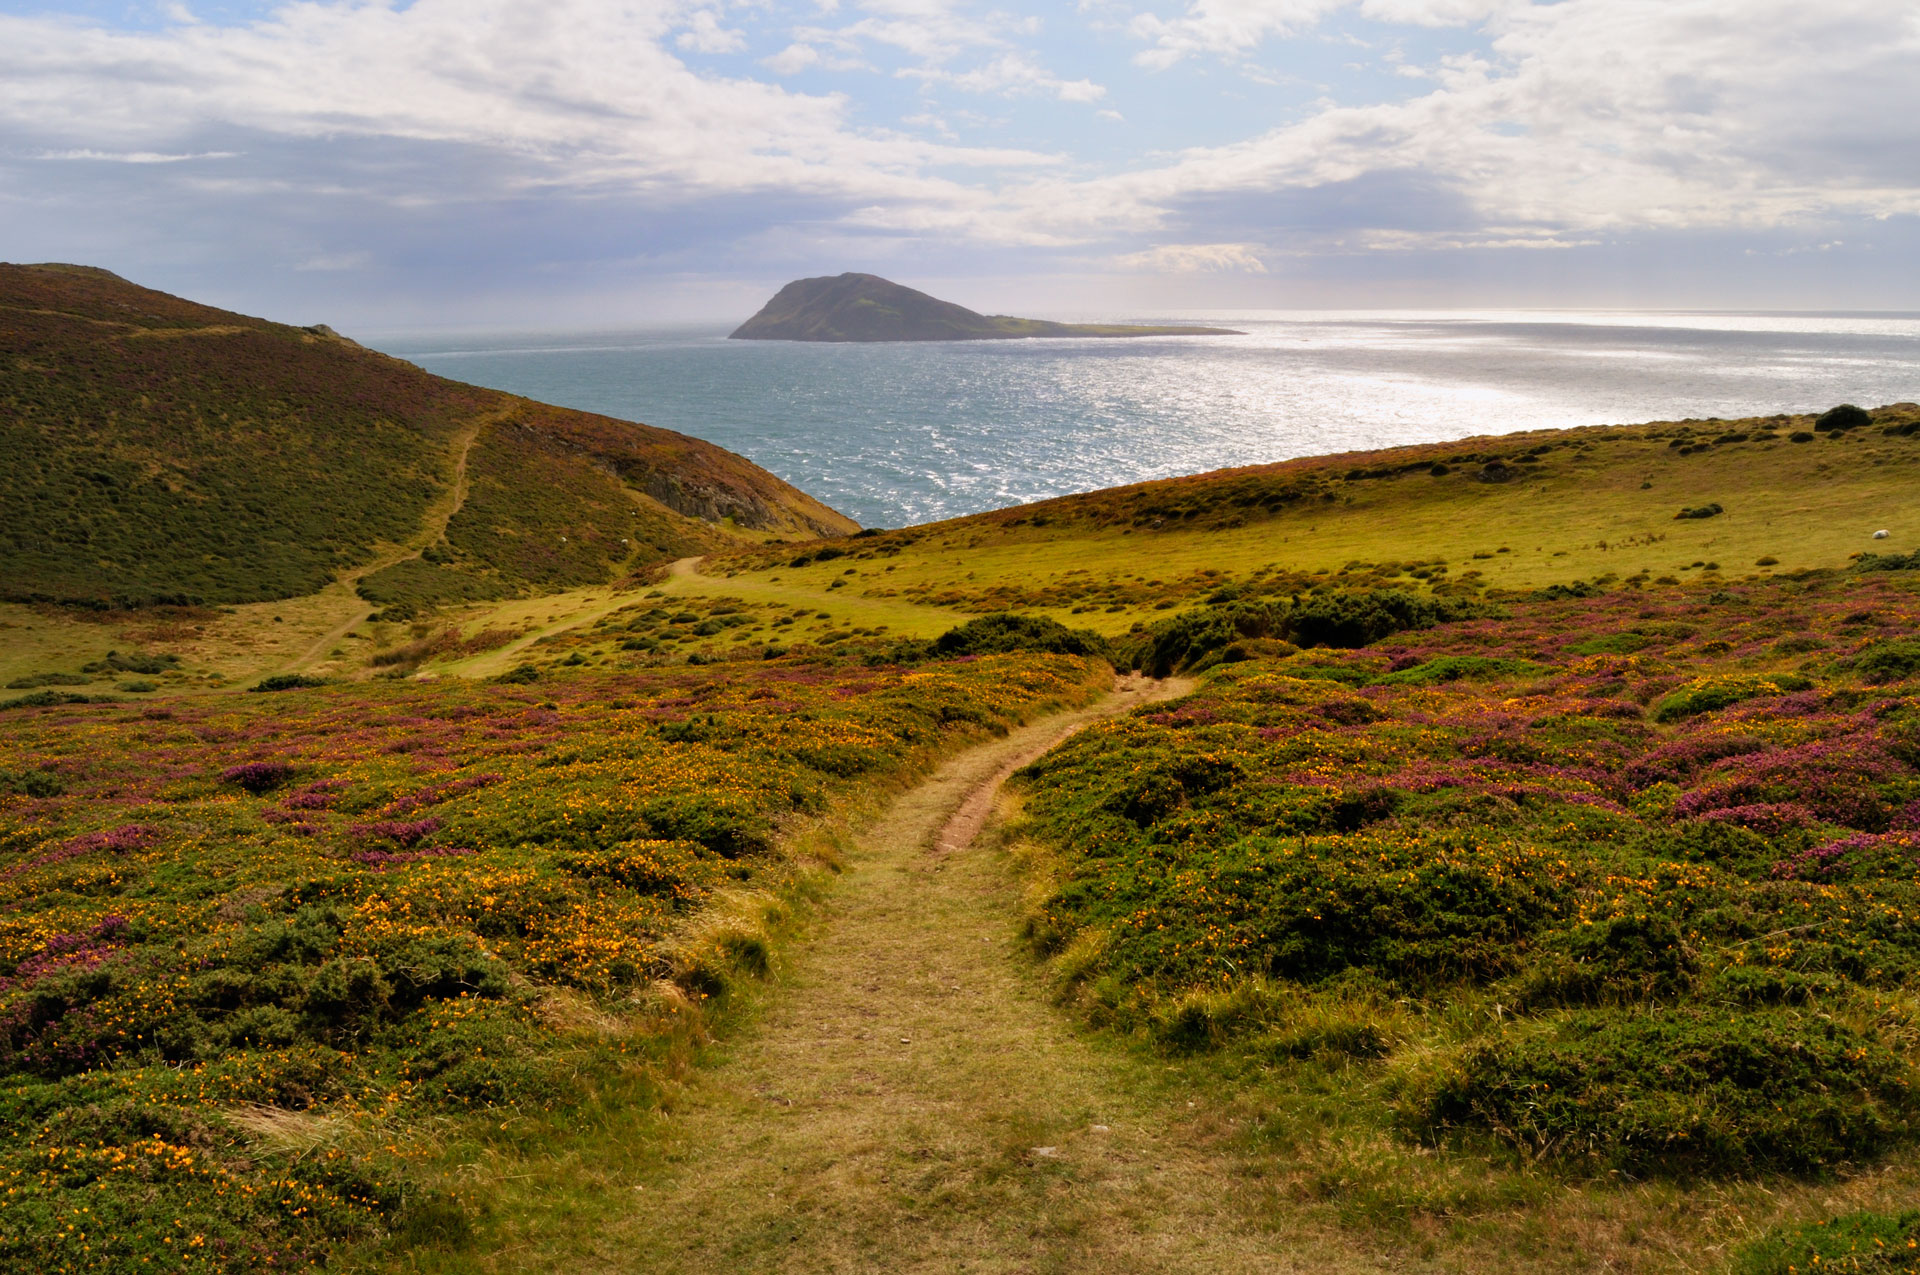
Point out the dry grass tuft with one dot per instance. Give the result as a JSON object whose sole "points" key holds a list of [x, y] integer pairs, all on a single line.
{"points": [[297, 1133]]}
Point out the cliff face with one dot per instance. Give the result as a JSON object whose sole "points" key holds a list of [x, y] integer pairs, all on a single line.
{"points": [[865, 307]]}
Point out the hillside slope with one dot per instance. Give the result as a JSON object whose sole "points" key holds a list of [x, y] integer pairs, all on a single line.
{"points": [[865, 307], [164, 451], [1597, 508]]}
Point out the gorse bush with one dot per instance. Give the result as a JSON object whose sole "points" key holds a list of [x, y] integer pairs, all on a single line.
{"points": [[1844, 417], [991, 634], [355, 908], [1652, 908], [288, 682], [1680, 1091], [1711, 694], [1889, 661], [1196, 639]]}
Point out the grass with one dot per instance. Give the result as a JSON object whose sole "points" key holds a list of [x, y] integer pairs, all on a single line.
{"points": [[260, 950], [1604, 911], [1570, 505], [1613, 790], [905, 1099], [166, 453]]}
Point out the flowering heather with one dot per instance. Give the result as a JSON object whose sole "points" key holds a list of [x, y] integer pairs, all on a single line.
{"points": [[1685, 801], [258, 776], [133, 836], [182, 933], [402, 831]]}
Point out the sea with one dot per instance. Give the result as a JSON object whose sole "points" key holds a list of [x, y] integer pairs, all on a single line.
{"points": [[897, 434]]}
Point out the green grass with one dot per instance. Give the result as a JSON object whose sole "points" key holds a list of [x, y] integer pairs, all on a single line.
{"points": [[1582, 505], [162, 452], [260, 950]]}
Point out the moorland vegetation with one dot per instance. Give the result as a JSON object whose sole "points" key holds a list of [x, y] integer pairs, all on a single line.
{"points": [[1621, 885], [1537, 851], [262, 952], [162, 452]]}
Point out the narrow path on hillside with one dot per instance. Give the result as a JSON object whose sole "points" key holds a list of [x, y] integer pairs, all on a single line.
{"points": [[911, 1100], [439, 514]]}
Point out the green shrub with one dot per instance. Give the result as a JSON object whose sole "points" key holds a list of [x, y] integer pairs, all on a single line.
{"points": [[1196, 639], [1888, 661], [31, 783], [1739, 850], [1844, 417], [1463, 668], [1888, 562], [117, 662], [1711, 694], [36, 680], [1038, 634], [1748, 985], [1624, 959], [1614, 644], [407, 588], [48, 699], [1700, 511], [1882, 1243], [1679, 1091], [288, 682]]}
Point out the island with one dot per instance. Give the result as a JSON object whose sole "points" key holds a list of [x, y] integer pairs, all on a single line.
{"points": [[865, 307]]}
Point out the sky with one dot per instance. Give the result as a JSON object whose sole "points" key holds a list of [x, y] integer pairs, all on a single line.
{"points": [[382, 165]]}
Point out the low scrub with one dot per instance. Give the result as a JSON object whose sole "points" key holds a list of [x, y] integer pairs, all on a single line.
{"points": [[993, 634], [1626, 932], [1197, 639], [1677, 1091], [353, 910], [1875, 1243]]}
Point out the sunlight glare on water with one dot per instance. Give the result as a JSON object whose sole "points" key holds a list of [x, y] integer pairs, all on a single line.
{"points": [[904, 433]]}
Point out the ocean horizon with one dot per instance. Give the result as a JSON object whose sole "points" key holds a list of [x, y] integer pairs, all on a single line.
{"points": [[894, 434]]}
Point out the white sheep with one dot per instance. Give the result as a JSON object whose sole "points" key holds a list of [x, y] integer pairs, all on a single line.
{"points": [[1881, 535]]}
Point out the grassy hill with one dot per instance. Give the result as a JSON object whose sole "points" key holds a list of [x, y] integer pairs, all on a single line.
{"points": [[1498, 516], [167, 452], [1527, 880]]}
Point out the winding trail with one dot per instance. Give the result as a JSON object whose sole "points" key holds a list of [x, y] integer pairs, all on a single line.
{"points": [[434, 521], [911, 1100]]}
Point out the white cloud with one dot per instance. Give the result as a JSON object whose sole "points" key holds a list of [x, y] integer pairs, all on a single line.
{"points": [[1195, 258], [1224, 27], [137, 157], [1584, 116], [933, 32], [704, 34], [792, 60], [1435, 13], [1568, 122], [1012, 75], [1234, 28], [574, 94]]}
